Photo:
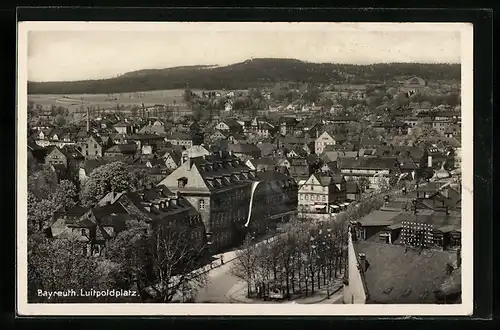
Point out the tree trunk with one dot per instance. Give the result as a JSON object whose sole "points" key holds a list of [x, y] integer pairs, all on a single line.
{"points": [[287, 284]]}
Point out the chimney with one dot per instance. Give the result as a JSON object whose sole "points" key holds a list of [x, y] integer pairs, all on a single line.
{"points": [[429, 161], [362, 261]]}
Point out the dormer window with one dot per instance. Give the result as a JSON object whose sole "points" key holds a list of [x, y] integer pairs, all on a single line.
{"points": [[181, 183]]}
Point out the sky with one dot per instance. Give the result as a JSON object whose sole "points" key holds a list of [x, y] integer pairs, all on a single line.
{"points": [[95, 52]]}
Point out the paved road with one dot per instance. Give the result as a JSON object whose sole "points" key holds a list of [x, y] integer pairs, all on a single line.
{"points": [[221, 281]]}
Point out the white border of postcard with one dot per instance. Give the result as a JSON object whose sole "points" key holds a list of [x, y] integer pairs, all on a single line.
{"points": [[23, 308]]}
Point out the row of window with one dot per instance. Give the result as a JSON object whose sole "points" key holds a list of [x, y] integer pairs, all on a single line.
{"points": [[312, 197]]}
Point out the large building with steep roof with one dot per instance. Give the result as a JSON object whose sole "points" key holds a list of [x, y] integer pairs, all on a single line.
{"points": [[219, 186]]}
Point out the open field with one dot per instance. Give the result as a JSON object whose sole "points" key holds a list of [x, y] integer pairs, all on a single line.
{"points": [[73, 102], [108, 101]]}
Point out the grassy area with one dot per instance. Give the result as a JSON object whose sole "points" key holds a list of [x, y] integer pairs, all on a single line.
{"points": [[73, 102], [106, 101]]}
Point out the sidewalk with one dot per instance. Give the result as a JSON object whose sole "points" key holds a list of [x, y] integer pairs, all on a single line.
{"points": [[237, 294]]}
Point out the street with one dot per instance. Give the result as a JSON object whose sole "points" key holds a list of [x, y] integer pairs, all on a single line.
{"points": [[221, 281]]}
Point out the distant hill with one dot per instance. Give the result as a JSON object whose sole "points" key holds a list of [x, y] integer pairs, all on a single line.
{"points": [[250, 73]]}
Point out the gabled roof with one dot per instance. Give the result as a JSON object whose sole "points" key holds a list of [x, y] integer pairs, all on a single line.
{"points": [[352, 188], [91, 164], [243, 148], [123, 148], [375, 163]]}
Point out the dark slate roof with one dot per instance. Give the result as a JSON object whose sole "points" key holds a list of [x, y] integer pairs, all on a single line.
{"points": [[378, 218], [216, 166], [272, 176], [437, 219], [123, 148], [72, 152], [91, 164], [243, 148], [352, 188], [397, 275], [266, 148], [376, 163]]}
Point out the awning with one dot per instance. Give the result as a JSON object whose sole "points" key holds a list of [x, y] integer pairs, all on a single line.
{"points": [[345, 204], [334, 206], [319, 206]]}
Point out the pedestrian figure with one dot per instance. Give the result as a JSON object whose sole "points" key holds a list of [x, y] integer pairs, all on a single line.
{"points": [[221, 260]]}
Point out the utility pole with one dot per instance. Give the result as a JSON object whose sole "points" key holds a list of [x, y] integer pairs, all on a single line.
{"points": [[88, 120]]}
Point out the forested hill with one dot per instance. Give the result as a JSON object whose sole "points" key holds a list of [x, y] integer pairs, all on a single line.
{"points": [[251, 73]]}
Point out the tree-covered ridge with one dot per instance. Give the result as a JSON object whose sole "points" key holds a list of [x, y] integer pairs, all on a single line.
{"points": [[251, 73]]}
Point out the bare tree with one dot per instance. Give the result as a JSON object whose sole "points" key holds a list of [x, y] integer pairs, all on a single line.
{"points": [[162, 260]]}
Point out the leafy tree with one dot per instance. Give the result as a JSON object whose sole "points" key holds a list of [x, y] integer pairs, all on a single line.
{"points": [[402, 99], [104, 179], [161, 262], [197, 135], [42, 183], [60, 265], [327, 103], [363, 183], [59, 120], [65, 195], [188, 96]]}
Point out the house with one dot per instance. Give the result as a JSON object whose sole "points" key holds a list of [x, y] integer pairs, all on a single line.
{"points": [[264, 130], [237, 138], [194, 152], [157, 128], [337, 108], [147, 143], [299, 168], [87, 167], [37, 152], [228, 106], [353, 191], [262, 164], [91, 147], [229, 125], [245, 150], [416, 275], [172, 159], [321, 195], [413, 85], [325, 139], [160, 208], [121, 150], [344, 119], [68, 156], [123, 127], [266, 148], [94, 227], [180, 139], [393, 126], [371, 168], [217, 135], [219, 186], [329, 167]]}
